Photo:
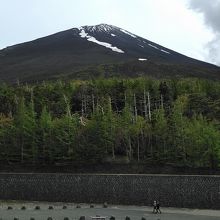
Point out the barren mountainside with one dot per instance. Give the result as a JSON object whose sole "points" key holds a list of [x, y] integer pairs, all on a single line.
{"points": [[94, 51]]}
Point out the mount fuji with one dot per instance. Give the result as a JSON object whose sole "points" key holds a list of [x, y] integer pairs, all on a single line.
{"points": [[94, 51]]}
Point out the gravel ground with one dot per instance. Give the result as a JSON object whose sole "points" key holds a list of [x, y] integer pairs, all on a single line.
{"points": [[119, 212]]}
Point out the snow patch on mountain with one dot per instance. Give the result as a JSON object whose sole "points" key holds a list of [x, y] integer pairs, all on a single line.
{"points": [[153, 46], [142, 59], [164, 51], [100, 28], [83, 34], [126, 32]]}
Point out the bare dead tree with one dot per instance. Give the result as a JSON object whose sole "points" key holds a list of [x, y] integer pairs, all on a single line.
{"points": [[149, 106], [145, 105], [135, 108]]}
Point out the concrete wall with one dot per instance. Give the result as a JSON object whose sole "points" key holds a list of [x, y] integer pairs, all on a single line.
{"points": [[173, 191]]}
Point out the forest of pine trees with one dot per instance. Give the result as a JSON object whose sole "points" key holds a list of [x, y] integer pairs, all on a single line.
{"points": [[174, 121]]}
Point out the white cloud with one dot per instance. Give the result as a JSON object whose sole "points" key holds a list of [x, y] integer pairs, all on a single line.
{"points": [[211, 14]]}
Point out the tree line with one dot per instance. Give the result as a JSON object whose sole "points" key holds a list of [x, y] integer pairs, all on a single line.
{"points": [[173, 121]]}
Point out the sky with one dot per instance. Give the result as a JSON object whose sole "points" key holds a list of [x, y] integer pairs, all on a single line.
{"points": [[191, 27]]}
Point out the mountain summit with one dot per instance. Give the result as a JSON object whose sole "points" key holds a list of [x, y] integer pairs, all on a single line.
{"points": [[91, 51]]}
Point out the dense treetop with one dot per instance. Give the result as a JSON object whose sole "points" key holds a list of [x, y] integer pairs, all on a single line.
{"points": [[174, 121]]}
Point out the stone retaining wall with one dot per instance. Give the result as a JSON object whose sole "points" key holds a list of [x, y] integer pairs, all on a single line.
{"points": [[171, 191]]}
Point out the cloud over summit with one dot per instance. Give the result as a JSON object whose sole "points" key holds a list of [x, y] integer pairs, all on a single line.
{"points": [[211, 13]]}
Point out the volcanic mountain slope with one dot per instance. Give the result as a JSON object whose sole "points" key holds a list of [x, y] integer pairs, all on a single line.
{"points": [[87, 49]]}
